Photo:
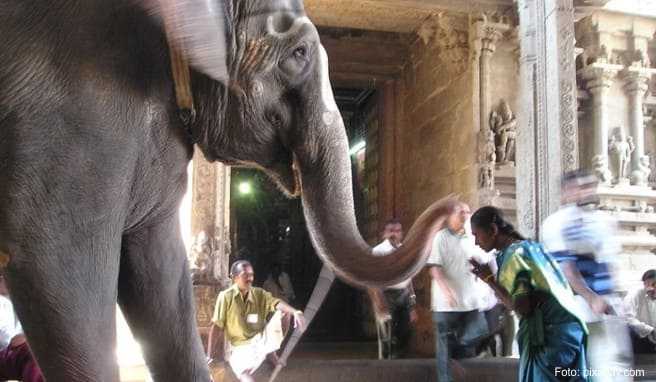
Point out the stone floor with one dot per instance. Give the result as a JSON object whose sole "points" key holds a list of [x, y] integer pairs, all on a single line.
{"points": [[356, 362]]}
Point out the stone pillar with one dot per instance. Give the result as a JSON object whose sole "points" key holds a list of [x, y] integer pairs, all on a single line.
{"points": [[484, 36], [221, 250], [210, 207], [530, 115], [567, 89], [490, 34], [547, 140], [599, 78], [636, 86]]}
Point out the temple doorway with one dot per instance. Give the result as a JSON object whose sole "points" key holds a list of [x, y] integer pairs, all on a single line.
{"points": [[267, 228]]}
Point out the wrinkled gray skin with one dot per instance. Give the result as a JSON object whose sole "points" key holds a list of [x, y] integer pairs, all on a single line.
{"points": [[93, 164]]}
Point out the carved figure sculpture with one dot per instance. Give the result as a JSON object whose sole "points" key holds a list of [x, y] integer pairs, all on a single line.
{"points": [[602, 55], [640, 59], [200, 257], [94, 152], [600, 168], [620, 148], [504, 124], [640, 176]]}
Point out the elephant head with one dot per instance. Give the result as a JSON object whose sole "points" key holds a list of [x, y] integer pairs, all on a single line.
{"points": [[268, 103]]}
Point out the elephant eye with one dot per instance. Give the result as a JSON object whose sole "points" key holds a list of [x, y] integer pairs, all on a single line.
{"points": [[274, 119], [298, 60], [300, 52]]}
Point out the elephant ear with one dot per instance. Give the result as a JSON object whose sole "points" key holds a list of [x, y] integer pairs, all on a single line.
{"points": [[198, 28]]}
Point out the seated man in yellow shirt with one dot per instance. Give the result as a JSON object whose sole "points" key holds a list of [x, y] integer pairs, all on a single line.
{"points": [[240, 333]]}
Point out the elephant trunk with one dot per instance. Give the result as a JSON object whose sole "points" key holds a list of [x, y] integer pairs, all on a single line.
{"points": [[325, 173]]}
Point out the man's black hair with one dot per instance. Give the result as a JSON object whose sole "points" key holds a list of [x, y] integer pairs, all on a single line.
{"points": [[650, 274], [392, 221], [238, 267]]}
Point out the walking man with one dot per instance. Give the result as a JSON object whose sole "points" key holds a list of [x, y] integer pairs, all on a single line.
{"points": [[455, 298], [401, 298]]}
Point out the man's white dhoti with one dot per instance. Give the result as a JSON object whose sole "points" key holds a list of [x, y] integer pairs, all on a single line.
{"points": [[246, 358]]}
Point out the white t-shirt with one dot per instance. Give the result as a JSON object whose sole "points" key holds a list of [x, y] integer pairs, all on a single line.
{"points": [[452, 252], [9, 325], [641, 312], [582, 232], [384, 249]]}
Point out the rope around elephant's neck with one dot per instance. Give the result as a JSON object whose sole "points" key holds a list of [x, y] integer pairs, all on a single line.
{"points": [[181, 79]]}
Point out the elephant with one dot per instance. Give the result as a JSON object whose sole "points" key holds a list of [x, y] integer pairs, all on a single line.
{"points": [[94, 146]]}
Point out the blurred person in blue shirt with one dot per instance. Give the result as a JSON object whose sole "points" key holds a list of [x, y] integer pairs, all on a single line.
{"points": [[582, 240]]}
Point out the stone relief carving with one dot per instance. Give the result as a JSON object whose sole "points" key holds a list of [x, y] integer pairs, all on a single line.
{"points": [[504, 125], [620, 148], [486, 180], [652, 159], [600, 168], [640, 176], [568, 101], [200, 259], [450, 38], [203, 202], [640, 59], [205, 260], [569, 136], [582, 60], [221, 258]]}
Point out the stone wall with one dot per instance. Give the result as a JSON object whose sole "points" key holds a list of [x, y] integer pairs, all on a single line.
{"points": [[437, 141]]}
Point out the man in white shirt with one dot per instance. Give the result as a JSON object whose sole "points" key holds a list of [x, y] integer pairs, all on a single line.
{"points": [[279, 284], [641, 314], [16, 360], [455, 297], [400, 298]]}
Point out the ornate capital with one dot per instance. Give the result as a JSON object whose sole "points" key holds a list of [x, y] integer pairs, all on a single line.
{"points": [[486, 34], [599, 76], [637, 80]]}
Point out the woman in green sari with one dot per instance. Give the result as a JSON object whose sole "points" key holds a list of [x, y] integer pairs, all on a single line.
{"points": [[551, 337]]}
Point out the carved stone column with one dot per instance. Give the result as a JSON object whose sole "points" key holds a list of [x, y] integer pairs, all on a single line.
{"points": [[565, 43], [484, 37], [599, 78], [490, 33], [221, 250], [636, 86], [546, 139], [210, 207]]}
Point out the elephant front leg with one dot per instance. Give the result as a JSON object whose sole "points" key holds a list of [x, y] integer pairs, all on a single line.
{"points": [[155, 294], [64, 291]]}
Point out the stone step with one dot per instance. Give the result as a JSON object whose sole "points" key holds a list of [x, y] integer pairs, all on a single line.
{"points": [[404, 370], [415, 370]]}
